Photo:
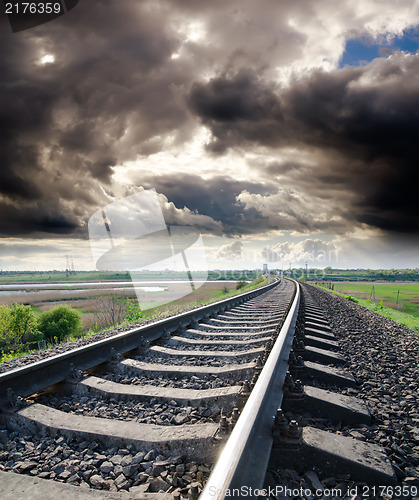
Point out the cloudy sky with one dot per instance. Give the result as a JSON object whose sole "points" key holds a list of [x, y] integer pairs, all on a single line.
{"points": [[284, 131]]}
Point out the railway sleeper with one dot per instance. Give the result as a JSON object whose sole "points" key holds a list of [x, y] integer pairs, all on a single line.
{"points": [[250, 322], [239, 329], [334, 453], [338, 408], [220, 355], [331, 345], [22, 487], [208, 335], [256, 317], [330, 452], [325, 374], [196, 441], [318, 325], [316, 319], [233, 371], [317, 332], [249, 316], [323, 355], [179, 341], [227, 397]]}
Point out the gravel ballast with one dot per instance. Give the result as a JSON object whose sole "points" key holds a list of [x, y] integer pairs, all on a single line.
{"points": [[383, 357]]}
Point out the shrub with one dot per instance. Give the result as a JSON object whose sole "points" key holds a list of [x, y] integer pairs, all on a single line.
{"points": [[34, 336], [111, 310], [60, 322], [17, 323], [352, 299], [4, 321], [240, 284], [133, 310]]}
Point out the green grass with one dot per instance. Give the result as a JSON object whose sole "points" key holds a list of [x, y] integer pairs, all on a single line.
{"points": [[86, 276], [59, 276], [13, 355], [401, 297], [403, 318]]}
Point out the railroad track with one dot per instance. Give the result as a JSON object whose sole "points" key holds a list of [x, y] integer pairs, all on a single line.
{"points": [[150, 421], [252, 384]]}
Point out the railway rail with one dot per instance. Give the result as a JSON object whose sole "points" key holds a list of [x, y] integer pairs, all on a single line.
{"points": [[202, 404]]}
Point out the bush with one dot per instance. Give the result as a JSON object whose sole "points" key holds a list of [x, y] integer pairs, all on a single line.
{"points": [[111, 310], [60, 322], [18, 323], [133, 309], [4, 321], [35, 336], [240, 284], [352, 299]]}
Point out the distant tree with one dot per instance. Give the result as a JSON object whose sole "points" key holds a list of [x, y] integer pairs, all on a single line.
{"points": [[60, 322]]}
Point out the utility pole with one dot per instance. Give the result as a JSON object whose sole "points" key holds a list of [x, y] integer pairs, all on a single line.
{"points": [[372, 294]]}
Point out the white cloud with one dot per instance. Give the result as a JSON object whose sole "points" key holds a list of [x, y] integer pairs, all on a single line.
{"points": [[231, 251], [312, 251]]}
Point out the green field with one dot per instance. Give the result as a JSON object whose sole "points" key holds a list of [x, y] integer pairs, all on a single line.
{"points": [[400, 296], [7, 277], [59, 276]]}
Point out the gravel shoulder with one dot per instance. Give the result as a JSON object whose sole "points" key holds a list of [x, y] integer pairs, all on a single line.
{"points": [[383, 357]]}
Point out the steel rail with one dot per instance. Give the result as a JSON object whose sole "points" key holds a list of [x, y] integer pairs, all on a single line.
{"points": [[240, 469], [34, 377]]}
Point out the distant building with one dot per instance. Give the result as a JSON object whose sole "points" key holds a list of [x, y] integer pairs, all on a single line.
{"points": [[265, 268]]}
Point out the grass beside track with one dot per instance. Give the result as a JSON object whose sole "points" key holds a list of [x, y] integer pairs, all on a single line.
{"points": [[403, 297], [403, 318], [178, 306]]}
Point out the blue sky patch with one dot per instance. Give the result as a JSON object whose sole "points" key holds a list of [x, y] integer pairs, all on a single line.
{"points": [[361, 51]]}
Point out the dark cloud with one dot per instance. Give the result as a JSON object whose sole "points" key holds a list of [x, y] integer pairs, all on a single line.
{"points": [[216, 198], [128, 81], [38, 220], [364, 120], [242, 108], [65, 125]]}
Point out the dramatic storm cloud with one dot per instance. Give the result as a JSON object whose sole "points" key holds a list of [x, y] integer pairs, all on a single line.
{"points": [[365, 120], [238, 113]]}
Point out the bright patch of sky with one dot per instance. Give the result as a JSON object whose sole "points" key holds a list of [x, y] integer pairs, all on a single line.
{"points": [[360, 51]]}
